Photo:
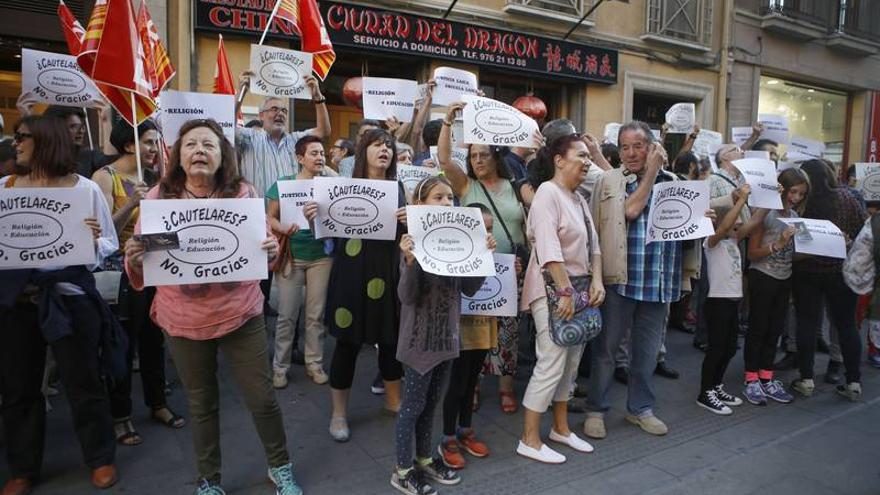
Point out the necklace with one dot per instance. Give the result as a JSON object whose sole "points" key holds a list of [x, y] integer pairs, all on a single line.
{"points": [[196, 196]]}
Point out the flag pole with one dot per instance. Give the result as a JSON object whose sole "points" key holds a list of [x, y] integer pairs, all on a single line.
{"points": [[88, 127], [269, 22], [137, 139]]}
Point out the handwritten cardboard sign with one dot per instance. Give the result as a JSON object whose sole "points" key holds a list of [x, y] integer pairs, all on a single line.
{"points": [[56, 79], [450, 241], [292, 196], [279, 72], [498, 295], [45, 227], [219, 240], [868, 180], [678, 211], [452, 85], [707, 142], [760, 174], [488, 121], [384, 98], [681, 117], [179, 107], [356, 208]]}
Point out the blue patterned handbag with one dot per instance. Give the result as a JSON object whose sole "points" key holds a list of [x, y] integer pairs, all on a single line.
{"points": [[586, 322]]}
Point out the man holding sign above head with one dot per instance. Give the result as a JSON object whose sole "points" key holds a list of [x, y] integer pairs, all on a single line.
{"points": [[304, 267], [221, 315], [54, 229]]}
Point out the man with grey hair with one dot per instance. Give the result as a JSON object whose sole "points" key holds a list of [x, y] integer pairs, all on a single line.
{"points": [[641, 279]]}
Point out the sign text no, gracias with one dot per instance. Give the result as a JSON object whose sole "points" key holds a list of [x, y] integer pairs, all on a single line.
{"points": [[450, 241], [487, 121], [219, 240], [45, 227], [678, 211], [497, 296], [356, 208], [279, 72], [56, 78]]}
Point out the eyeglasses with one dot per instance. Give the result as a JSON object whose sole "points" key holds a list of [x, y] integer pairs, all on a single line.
{"points": [[77, 127], [19, 137], [276, 110]]}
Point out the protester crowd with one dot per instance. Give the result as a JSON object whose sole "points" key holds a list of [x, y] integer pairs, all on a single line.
{"points": [[573, 210]]}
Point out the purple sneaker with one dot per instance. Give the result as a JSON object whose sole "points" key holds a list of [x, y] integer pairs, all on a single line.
{"points": [[754, 393], [775, 391]]}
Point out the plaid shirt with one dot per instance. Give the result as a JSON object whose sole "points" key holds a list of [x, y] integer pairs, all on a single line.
{"points": [[261, 160], [653, 270]]}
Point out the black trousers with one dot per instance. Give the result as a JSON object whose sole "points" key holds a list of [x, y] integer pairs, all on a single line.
{"points": [[149, 341], [22, 358], [345, 355], [768, 299], [722, 320], [458, 404], [809, 290]]}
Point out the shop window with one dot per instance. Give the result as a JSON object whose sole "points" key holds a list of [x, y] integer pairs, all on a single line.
{"points": [[682, 21], [565, 7], [813, 112]]}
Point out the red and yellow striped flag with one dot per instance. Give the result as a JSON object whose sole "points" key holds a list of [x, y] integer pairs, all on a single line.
{"points": [[308, 24], [158, 65]]}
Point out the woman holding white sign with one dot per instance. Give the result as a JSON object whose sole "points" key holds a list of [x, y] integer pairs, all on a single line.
{"points": [[565, 249], [488, 181], [58, 305], [362, 307], [123, 191], [818, 278], [203, 319], [304, 266]]}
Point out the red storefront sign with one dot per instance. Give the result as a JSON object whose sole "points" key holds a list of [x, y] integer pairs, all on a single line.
{"points": [[873, 152]]}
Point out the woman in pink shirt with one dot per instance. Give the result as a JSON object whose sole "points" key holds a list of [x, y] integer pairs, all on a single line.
{"points": [[565, 244], [202, 319]]}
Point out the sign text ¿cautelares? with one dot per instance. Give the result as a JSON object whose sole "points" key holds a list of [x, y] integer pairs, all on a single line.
{"points": [[432, 219], [176, 218], [680, 192], [355, 190]]}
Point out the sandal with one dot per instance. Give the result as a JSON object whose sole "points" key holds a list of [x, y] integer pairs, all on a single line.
{"points": [[169, 419], [125, 433], [508, 402]]}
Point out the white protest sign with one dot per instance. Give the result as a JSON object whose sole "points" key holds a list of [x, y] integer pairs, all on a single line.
{"points": [[450, 241], [707, 142], [356, 208], [868, 180], [452, 85], [497, 296], [411, 175], [817, 237], [760, 174], [459, 156], [219, 240], [178, 107], [384, 98], [612, 130], [775, 127], [760, 155], [57, 79], [657, 134], [422, 94], [678, 211], [488, 121], [45, 227], [681, 117], [292, 196], [809, 147], [797, 156], [739, 135], [782, 165], [279, 72]]}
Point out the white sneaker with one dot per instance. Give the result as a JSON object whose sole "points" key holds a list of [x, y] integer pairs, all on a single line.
{"points": [[545, 455], [317, 375], [572, 441], [279, 379], [852, 391]]}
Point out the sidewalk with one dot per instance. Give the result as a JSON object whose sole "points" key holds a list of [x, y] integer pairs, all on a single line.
{"points": [[820, 445]]}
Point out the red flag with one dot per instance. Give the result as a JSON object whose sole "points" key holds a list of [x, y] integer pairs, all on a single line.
{"points": [[113, 57], [223, 82], [307, 22], [73, 30], [158, 66]]}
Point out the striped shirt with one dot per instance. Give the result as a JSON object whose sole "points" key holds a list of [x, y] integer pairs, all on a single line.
{"points": [[653, 270], [346, 166], [261, 160]]}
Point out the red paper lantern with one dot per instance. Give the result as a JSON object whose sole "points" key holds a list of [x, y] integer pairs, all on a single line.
{"points": [[353, 91], [532, 106]]}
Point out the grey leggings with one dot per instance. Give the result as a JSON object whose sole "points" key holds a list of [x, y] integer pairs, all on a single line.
{"points": [[421, 395]]}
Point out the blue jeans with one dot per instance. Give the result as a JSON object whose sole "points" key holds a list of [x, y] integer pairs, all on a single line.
{"points": [[647, 321]]}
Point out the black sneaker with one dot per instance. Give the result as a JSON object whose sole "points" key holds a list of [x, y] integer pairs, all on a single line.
{"points": [[438, 472], [378, 386], [413, 483], [726, 398], [708, 400]]}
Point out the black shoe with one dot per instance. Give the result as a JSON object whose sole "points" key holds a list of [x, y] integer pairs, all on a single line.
{"points": [[788, 362], [681, 326], [378, 385], [577, 406], [297, 357], [621, 374], [665, 371], [700, 346], [580, 390], [832, 374], [822, 346]]}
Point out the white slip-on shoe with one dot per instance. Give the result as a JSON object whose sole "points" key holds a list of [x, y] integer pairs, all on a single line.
{"points": [[572, 441], [545, 455]]}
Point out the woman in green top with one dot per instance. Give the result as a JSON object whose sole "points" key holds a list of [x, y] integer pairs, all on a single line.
{"points": [[306, 266], [487, 181]]}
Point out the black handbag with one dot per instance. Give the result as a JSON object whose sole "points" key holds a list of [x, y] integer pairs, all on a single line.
{"points": [[519, 249]]}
